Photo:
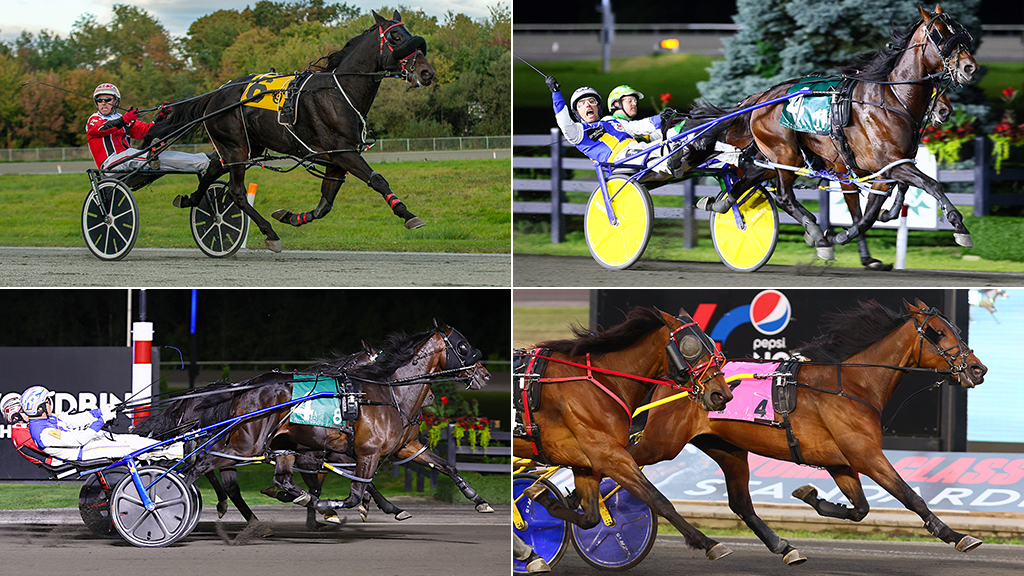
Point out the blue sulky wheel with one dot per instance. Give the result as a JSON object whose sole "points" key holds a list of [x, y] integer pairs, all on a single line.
{"points": [[624, 545], [548, 536], [173, 517], [218, 224]]}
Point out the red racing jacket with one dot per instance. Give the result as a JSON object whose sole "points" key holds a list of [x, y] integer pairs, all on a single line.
{"points": [[104, 143]]}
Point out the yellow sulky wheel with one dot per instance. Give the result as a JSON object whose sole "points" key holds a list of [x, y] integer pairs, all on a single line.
{"points": [[619, 245], [745, 236]]}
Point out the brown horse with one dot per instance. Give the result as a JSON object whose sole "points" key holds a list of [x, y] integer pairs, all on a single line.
{"points": [[596, 381], [890, 99], [854, 368]]}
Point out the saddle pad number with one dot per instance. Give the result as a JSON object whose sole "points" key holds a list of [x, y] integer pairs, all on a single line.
{"points": [[267, 83], [324, 412]]}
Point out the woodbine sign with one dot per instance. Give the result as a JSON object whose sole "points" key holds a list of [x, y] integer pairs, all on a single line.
{"points": [[961, 481]]}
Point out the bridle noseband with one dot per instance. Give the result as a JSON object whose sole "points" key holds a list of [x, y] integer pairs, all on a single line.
{"points": [[957, 362], [400, 51], [950, 47], [688, 363]]}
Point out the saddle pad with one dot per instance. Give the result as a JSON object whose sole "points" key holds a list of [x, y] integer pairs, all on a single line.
{"points": [[751, 395], [267, 83], [324, 412], [811, 114]]}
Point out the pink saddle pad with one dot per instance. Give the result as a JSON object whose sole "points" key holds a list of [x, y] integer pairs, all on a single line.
{"points": [[751, 392]]}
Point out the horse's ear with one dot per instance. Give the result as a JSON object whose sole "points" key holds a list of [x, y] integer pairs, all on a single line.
{"points": [[938, 9], [667, 318], [366, 347], [397, 17], [924, 14], [683, 313], [440, 325], [920, 304], [381, 21], [910, 307]]}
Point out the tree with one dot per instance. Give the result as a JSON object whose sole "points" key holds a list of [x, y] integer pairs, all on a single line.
{"points": [[42, 119], [209, 36], [783, 39], [11, 77]]}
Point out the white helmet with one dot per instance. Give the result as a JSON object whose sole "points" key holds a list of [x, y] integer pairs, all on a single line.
{"points": [[11, 407], [106, 88], [581, 93], [32, 400]]}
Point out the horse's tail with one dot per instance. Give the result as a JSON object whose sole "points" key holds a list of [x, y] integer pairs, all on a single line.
{"points": [[181, 115], [162, 422], [734, 131]]}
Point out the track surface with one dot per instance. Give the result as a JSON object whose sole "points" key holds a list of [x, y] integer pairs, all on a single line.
{"points": [[533, 270], [61, 267], [671, 557], [439, 539]]}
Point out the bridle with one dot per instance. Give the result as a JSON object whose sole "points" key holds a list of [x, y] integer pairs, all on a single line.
{"points": [[408, 65], [926, 332], [948, 48], [399, 51], [697, 343]]}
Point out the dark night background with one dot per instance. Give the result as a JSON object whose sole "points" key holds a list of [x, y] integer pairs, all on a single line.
{"points": [[583, 11], [239, 325]]}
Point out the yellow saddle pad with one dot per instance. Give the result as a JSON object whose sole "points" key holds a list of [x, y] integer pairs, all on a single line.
{"points": [[273, 83]]}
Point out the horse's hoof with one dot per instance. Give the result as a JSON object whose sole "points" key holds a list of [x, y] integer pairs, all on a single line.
{"points": [[270, 491], [878, 265], [705, 203], [222, 508], [963, 239], [805, 493], [331, 517], [717, 551], [180, 201], [281, 215], [794, 558], [826, 252], [534, 491], [403, 515], [968, 543], [537, 566], [484, 508], [414, 222], [723, 205], [302, 499], [274, 245], [266, 532], [808, 240]]}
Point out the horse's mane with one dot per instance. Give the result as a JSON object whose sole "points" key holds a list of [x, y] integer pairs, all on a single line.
{"points": [[851, 331], [398, 350], [876, 66], [333, 60], [639, 323]]}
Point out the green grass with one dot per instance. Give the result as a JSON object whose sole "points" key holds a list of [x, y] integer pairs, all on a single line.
{"points": [[464, 203], [533, 324], [495, 488]]}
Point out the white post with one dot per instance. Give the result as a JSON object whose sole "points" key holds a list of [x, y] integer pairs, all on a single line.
{"points": [[901, 240], [142, 367]]}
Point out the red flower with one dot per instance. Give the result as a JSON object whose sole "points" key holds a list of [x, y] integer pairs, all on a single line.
{"points": [[1008, 92], [444, 400], [665, 98]]}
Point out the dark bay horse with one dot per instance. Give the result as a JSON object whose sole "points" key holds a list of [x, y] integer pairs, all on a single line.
{"points": [[329, 130], [598, 379], [852, 372], [389, 409], [890, 100]]}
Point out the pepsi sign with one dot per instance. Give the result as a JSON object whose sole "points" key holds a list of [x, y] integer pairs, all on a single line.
{"points": [[770, 312]]}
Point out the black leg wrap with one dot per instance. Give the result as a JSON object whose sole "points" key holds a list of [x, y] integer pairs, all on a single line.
{"points": [[466, 489], [765, 534]]}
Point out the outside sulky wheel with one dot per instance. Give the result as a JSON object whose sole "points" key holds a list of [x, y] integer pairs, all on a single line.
{"points": [[110, 220], [172, 518], [619, 245], [94, 500], [218, 224], [745, 236], [624, 545], [548, 536]]}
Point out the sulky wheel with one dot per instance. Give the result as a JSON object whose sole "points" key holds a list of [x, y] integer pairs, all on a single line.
{"points": [[197, 505], [218, 224], [619, 244], [173, 516], [94, 500], [548, 536], [110, 220], [745, 236], [623, 545]]}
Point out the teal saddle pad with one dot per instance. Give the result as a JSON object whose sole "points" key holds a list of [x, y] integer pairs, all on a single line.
{"points": [[813, 113], [324, 412]]}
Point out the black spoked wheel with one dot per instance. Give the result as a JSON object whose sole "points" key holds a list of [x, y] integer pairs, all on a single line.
{"points": [[94, 500], [110, 220], [172, 517], [218, 224]]}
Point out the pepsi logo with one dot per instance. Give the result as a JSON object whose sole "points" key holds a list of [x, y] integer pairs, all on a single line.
{"points": [[770, 312]]}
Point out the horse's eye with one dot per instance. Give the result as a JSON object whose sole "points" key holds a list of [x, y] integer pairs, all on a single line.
{"points": [[396, 37]]}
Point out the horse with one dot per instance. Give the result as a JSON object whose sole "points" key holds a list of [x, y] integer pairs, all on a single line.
{"points": [[591, 386], [890, 97], [386, 427], [330, 123], [986, 299], [853, 370]]}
